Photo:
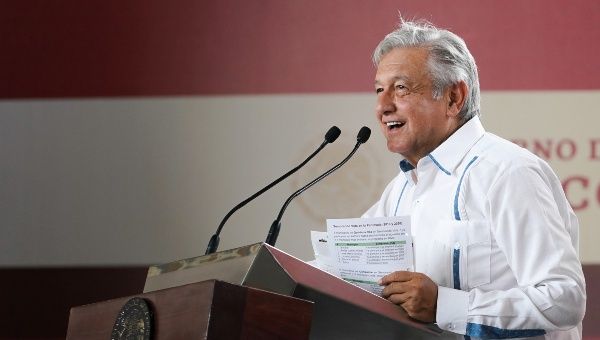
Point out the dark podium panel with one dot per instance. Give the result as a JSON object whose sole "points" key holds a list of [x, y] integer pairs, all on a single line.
{"points": [[204, 310], [341, 310]]}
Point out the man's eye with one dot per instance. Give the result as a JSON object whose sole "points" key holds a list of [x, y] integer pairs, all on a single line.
{"points": [[400, 87], [378, 90]]}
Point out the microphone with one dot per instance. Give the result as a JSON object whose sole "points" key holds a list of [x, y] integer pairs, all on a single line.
{"points": [[362, 137], [332, 134]]}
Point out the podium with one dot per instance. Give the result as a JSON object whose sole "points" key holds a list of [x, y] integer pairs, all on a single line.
{"points": [[253, 292], [204, 310], [341, 310]]}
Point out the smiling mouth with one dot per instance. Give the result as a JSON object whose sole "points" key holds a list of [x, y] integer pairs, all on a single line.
{"points": [[394, 125]]}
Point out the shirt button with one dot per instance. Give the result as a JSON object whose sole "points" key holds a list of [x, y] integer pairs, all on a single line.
{"points": [[451, 326]]}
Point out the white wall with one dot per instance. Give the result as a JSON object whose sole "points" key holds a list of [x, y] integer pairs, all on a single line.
{"points": [[140, 181]]}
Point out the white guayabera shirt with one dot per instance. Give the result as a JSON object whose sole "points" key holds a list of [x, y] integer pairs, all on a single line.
{"points": [[492, 227]]}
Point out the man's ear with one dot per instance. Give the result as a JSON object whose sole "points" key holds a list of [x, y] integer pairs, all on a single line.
{"points": [[457, 96]]}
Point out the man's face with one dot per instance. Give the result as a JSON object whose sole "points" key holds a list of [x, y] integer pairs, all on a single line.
{"points": [[412, 121]]}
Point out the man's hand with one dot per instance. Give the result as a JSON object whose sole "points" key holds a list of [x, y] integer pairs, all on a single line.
{"points": [[415, 292]]}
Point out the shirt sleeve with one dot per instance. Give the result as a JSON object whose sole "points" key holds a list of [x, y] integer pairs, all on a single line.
{"points": [[529, 228]]}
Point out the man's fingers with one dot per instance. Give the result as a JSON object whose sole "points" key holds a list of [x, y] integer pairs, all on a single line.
{"points": [[415, 292], [394, 288], [399, 276], [399, 299]]}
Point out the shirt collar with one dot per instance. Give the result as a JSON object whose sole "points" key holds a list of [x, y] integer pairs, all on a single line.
{"points": [[452, 151], [448, 155], [405, 166]]}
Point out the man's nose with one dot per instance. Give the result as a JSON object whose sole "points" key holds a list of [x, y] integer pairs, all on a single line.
{"points": [[385, 103]]}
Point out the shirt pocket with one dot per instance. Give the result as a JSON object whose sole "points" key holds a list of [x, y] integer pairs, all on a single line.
{"points": [[468, 244]]}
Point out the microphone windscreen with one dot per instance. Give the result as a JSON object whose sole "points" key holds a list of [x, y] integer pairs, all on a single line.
{"points": [[363, 134], [332, 134]]}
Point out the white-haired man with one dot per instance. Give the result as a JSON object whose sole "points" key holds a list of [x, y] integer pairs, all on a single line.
{"points": [[495, 240]]}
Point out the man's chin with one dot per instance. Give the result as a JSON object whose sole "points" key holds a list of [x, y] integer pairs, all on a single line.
{"points": [[396, 149]]}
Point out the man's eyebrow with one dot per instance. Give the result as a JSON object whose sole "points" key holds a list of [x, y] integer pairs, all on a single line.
{"points": [[393, 79]]}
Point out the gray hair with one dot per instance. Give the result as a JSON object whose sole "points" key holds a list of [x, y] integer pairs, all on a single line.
{"points": [[449, 59]]}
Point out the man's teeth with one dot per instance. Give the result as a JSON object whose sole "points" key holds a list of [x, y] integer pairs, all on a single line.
{"points": [[393, 124]]}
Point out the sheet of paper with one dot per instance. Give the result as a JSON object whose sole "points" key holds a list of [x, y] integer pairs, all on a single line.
{"points": [[323, 257], [363, 250]]}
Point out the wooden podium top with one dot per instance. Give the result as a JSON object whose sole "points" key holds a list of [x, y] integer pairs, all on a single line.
{"points": [[342, 310]]}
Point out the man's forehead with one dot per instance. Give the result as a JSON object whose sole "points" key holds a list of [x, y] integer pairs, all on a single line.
{"points": [[401, 64], [401, 55]]}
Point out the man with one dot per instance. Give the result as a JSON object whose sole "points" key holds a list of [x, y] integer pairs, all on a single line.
{"points": [[495, 240]]}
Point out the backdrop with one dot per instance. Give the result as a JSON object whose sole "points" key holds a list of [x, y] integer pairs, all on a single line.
{"points": [[128, 130]]}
